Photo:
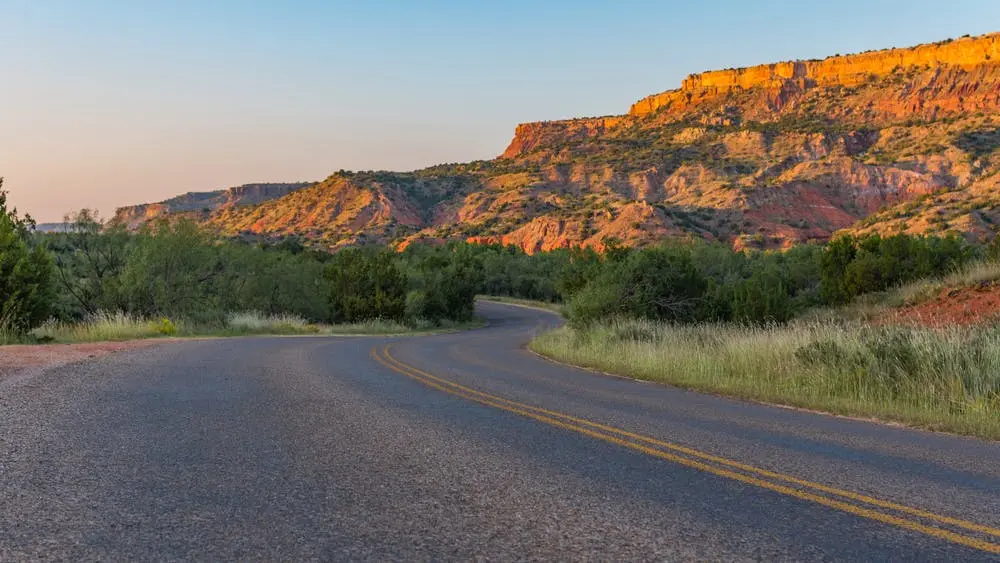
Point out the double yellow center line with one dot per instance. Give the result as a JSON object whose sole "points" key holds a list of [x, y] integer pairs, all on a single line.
{"points": [[955, 530]]}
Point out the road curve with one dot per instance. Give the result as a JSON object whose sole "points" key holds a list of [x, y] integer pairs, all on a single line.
{"points": [[455, 447]]}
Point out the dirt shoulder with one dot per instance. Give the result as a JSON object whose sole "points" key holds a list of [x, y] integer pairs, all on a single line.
{"points": [[17, 359]]}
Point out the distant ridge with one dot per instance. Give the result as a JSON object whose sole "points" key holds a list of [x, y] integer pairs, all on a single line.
{"points": [[205, 202], [53, 227], [899, 140]]}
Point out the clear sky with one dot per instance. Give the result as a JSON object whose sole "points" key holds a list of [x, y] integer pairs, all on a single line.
{"points": [[112, 102]]}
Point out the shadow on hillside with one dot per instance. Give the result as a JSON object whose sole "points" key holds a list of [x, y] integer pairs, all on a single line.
{"points": [[980, 143]]}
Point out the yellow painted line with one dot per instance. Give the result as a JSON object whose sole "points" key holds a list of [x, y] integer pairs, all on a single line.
{"points": [[972, 526], [535, 413]]}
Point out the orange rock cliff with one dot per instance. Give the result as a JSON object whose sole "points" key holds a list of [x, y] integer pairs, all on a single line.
{"points": [[847, 71], [900, 140]]}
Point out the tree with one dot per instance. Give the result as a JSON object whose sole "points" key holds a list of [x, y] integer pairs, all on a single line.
{"points": [[90, 258], [26, 283], [173, 269], [444, 284], [364, 285]]}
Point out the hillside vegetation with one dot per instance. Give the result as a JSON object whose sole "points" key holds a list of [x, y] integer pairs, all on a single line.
{"points": [[902, 140]]}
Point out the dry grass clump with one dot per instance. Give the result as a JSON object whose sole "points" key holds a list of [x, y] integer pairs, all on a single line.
{"points": [[105, 326]]}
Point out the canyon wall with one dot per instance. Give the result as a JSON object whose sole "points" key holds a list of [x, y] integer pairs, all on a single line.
{"points": [[849, 70]]}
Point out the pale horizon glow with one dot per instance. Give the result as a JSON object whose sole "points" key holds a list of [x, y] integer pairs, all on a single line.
{"points": [[109, 103]]}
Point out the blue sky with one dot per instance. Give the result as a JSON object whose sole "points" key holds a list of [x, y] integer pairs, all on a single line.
{"points": [[112, 102]]}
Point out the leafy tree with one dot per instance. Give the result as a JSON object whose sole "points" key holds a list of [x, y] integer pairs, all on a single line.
{"points": [[173, 269], [26, 281], [444, 284], [584, 265], [762, 298], [365, 284], [90, 258], [272, 280], [853, 266]]}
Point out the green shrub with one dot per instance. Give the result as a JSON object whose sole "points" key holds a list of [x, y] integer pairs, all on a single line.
{"points": [[656, 283], [166, 327]]}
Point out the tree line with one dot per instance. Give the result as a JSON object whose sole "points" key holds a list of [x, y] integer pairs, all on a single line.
{"points": [[175, 269]]}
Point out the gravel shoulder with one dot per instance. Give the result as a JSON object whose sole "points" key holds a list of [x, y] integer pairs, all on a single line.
{"points": [[16, 360]]}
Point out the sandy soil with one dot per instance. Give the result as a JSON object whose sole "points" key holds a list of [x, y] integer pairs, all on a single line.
{"points": [[966, 306], [20, 358]]}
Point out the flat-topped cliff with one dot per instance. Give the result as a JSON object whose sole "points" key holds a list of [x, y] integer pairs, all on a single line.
{"points": [[958, 75], [849, 70]]}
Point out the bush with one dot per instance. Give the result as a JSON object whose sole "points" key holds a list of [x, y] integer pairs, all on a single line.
{"points": [[762, 298], [657, 283], [167, 327]]}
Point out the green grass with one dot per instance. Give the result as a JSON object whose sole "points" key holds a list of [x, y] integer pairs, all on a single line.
{"points": [[121, 326], [554, 307], [8, 336], [942, 379]]}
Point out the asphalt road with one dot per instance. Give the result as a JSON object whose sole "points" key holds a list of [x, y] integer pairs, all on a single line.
{"points": [[456, 447]]}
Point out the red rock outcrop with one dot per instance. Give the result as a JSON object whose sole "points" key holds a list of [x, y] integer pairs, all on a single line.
{"points": [[527, 136]]}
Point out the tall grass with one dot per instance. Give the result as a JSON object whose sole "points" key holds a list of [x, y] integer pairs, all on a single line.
{"points": [[924, 290], [106, 326], [947, 379], [9, 336], [254, 322]]}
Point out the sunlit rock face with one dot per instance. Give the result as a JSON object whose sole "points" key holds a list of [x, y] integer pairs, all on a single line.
{"points": [[762, 157]]}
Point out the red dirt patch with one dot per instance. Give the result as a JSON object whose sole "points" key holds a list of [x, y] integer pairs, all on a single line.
{"points": [[965, 306], [17, 358]]}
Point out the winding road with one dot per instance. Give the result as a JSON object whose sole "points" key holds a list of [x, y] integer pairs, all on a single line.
{"points": [[455, 447]]}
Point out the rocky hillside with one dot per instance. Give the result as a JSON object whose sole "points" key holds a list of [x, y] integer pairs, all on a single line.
{"points": [[205, 203], [768, 156]]}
